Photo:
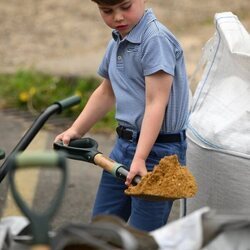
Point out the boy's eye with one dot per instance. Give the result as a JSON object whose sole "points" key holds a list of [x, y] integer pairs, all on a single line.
{"points": [[107, 11], [126, 7], [122, 7]]}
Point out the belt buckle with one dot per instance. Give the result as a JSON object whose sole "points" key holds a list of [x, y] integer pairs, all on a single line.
{"points": [[131, 135], [120, 131], [125, 133], [134, 135]]}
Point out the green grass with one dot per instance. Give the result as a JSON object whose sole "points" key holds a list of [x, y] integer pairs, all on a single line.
{"points": [[34, 91]]}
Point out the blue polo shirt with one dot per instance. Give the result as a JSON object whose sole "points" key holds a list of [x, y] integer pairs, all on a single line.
{"points": [[148, 48]]}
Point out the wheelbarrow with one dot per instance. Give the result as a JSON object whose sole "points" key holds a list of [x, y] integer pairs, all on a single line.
{"points": [[56, 107]]}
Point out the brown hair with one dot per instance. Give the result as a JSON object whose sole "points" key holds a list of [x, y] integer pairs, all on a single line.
{"points": [[107, 2]]}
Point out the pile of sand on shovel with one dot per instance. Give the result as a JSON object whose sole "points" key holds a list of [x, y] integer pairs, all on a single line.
{"points": [[168, 180]]}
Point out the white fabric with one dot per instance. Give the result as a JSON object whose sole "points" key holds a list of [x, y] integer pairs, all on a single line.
{"points": [[11, 226], [218, 152], [14, 224], [183, 234], [237, 239], [223, 180], [220, 113]]}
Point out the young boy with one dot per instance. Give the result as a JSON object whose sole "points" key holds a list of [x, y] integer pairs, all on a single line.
{"points": [[144, 76]]}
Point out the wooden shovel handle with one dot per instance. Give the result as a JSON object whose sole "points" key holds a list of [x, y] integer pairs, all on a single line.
{"points": [[104, 162], [40, 247], [116, 169]]}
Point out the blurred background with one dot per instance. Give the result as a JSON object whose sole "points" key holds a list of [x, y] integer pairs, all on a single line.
{"points": [[68, 37], [65, 40]]}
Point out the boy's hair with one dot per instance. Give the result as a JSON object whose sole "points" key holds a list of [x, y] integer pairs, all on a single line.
{"points": [[107, 2]]}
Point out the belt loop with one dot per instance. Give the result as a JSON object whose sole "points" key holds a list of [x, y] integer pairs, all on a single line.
{"points": [[183, 135], [135, 136]]}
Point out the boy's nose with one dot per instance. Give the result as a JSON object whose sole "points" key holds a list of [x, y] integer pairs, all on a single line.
{"points": [[118, 17]]}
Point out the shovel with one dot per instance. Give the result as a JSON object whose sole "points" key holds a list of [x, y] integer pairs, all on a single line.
{"points": [[85, 149], [39, 222]]}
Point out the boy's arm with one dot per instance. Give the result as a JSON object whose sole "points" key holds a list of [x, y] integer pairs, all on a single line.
{"points": [[100, 102], [158, 87]]}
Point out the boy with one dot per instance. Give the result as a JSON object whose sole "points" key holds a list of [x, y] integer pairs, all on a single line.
{"points": [[144, 76]]}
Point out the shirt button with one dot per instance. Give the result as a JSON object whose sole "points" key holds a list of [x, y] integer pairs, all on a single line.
{"points": [[119, 58]]}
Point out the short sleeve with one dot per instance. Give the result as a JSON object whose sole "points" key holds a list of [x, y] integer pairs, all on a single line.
{"points": [[159, 53], [104, 66]]}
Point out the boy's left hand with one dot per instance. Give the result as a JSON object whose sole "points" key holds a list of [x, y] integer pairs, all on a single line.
{"points": [[138, 167]]}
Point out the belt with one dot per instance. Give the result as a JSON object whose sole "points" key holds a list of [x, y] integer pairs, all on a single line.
{"points": [[127, 134]]}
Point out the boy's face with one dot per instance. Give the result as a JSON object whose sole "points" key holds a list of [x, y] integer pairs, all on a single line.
{"points": [[123, 16]]}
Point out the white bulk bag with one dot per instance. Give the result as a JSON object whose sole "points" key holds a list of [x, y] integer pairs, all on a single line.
{"points": [[219, 126]]}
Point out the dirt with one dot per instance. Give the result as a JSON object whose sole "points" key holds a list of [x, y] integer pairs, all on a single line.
{"points": [[168, 180], [69, 38]]}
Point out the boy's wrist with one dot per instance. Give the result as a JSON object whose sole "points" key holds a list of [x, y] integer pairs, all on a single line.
{"points": [[140, 157], [77, 130]]}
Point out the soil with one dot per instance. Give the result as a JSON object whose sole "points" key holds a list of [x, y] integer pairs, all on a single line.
{"points": [[69, 38], [168, 180]]}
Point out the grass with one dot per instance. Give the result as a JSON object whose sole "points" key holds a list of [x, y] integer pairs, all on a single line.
{"points": [[34, 91]]}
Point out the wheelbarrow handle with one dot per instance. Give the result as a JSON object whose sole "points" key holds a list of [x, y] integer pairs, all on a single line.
{"points": [[57, 107], [2, 154], [68, 102], [39, 222]]}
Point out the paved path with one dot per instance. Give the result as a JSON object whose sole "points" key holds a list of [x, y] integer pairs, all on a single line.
{"points": [[37, 186], [83, 177]]}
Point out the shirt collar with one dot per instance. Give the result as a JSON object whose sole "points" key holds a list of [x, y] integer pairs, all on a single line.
{"points": [[135, 35]]}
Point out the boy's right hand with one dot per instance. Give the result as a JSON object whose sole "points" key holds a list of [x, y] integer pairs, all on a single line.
{"points": [[67, 136]]}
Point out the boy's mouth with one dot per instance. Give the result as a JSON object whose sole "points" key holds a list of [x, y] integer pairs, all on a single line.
{"points": [[121, 27]]}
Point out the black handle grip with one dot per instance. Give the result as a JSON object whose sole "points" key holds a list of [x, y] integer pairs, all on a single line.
{"points": [[83, 149], [68, 102], [122, 173]]}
